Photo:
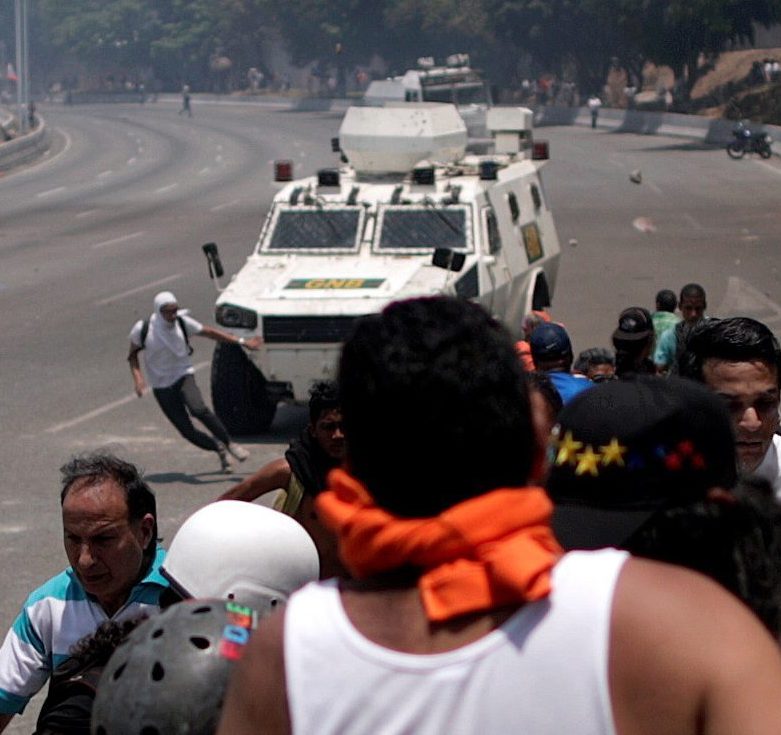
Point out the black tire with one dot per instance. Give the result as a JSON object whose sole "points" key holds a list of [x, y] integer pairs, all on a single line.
{"points": [[765, 151], [736, 150], [239, 393]]}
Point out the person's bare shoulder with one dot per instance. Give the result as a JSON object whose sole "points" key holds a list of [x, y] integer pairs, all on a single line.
{"points": [[688, 657], [256, 701]]}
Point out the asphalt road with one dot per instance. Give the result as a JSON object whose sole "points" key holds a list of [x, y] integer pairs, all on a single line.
{"points": [[120, 208]]}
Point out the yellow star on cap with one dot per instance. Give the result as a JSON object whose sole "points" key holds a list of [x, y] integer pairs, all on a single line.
{"points": [[568, 450], [588, 461], [613, 453]]}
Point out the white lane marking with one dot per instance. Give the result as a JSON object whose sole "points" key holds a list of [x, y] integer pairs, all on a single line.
{"points": [[116, 240], [140, 149], [166, 188], [742, 299], [218, 158], [7, 528], [49, 192], [103, 174], [653, 187], [224, 205], [131, 161], [20, 173], [219, 147], [693, 222], [86, 213], [103, 409], [138, 289], [770, 167], [204, 170]]}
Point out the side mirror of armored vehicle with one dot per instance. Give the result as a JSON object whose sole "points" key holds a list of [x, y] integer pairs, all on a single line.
{"points": [[448, 259], [213, 260]]}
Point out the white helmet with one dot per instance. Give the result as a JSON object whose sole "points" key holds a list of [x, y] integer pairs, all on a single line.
{"points": [[236, 550]]}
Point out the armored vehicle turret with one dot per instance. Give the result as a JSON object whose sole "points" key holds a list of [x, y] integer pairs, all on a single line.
{"points": [[408, 213]]}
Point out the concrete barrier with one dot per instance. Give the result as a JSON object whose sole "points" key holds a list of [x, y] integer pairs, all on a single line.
{"points": [[25, 148], [708, 130]]}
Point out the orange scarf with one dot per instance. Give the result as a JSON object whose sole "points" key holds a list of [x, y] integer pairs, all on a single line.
{"points": [[492, 550]]}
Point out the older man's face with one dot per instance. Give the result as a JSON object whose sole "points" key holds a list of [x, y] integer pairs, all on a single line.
{"points": [[751, 392], [104, 547]]}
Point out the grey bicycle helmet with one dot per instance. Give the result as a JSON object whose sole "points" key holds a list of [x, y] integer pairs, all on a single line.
{"points": [[169, 677]]}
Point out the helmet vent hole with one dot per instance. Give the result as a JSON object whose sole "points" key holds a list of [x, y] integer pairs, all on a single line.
{"points": [[118, 672], [157, 633], [199, 642], [201, 610], [148, 730], [274, 602], [158, 672]]}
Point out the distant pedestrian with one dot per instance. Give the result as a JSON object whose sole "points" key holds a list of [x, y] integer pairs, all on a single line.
{"points": [[165, 340], [552, 354], [186, 101], [692, 304], [664, 317], [633, 340], [594, 103]]}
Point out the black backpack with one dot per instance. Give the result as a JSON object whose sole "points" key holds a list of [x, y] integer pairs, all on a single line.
{"points": [[145, 331]]}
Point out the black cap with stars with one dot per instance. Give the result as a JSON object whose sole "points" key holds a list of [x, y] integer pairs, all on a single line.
{"points": [[625, 450]]}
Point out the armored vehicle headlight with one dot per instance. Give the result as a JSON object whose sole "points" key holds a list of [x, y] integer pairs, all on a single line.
{"points": [[228, 315]]}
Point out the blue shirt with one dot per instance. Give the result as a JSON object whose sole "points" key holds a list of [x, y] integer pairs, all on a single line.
{"points": [[569, 385], [55, 617]]}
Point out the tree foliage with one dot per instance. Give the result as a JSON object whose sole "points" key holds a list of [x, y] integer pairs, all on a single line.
{"points": [[179, 40]]}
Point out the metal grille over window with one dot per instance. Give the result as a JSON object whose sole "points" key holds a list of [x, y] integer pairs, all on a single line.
{"points": [[316, 228], [422, 229]]}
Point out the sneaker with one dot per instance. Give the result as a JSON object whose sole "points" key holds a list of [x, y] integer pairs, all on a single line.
{"points": [[238, 451], [225, 461]]}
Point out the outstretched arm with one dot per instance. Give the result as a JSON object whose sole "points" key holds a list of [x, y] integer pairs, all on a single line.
{"points": [[218, 335], [273, 476]]}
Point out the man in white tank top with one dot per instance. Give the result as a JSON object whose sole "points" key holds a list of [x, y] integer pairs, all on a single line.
{"points": [[464, 616]]}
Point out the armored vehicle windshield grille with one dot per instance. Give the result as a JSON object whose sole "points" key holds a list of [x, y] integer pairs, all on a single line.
{"points": [[411, 228], [315, 228], [306, 328]]}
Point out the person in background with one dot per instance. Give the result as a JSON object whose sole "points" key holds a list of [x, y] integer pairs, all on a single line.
{"points": [[692, 304], [633, 339], [552, 354], [739, 359], [664, 317], [597, 364], [530, 322], [302, 472]]}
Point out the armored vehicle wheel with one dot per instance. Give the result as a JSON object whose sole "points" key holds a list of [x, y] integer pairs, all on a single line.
{"points": [[736, 150], [765, 151], [239, 392]]}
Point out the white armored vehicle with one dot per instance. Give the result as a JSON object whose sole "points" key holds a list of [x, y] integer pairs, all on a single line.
{"points": [[456, 82], [408, 214]]}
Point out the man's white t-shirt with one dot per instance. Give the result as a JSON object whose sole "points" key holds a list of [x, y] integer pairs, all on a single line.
{"points": [[165, 354], [769, 468]]}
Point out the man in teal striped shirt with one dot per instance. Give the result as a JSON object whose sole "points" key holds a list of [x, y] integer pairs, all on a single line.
{"points": [[109, 521]]}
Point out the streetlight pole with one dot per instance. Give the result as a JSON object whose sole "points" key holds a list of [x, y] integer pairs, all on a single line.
{"points": [[22, 57]]}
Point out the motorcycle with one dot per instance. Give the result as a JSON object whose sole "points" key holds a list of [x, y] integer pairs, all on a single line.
{"points": [[748, 141]]}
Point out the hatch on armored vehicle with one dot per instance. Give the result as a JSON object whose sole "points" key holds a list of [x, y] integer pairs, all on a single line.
{"points": [[407, 214]]}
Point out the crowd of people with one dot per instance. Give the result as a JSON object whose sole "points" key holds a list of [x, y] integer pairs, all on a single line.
{"points": [[472, 533]]}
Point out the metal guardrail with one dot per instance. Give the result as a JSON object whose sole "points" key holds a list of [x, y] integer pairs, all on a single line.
{"points": [[25, 148]]}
